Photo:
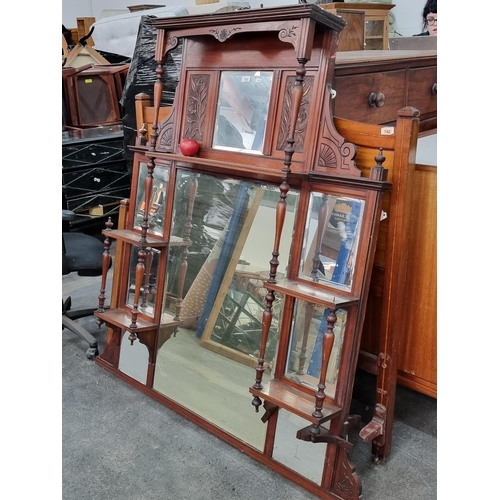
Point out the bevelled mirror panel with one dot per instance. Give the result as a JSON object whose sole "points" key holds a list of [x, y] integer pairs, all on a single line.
{"points": [[147, 286], [305, 350], [242, 110], [331, 238], [209, 360], [156, 220]]}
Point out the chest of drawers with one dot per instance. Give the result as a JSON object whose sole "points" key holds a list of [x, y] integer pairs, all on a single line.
{"points": [[373, 85], [375, 28], [94, 173]]}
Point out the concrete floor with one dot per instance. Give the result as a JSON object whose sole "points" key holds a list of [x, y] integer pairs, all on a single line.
{"points": [[119, 444]]}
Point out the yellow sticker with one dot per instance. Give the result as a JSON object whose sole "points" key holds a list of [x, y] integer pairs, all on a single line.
{"points": [[88, 80]]}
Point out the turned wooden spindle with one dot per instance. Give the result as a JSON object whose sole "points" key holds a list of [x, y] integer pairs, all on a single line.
{"points": [[148, 189], [143, 135], [139, 276], [188, 225], [106, 261], [308, 315], [157, 92], [378, 172], [297, 94], [266, 326], [322, 220], [328, 338], [147, 281]]}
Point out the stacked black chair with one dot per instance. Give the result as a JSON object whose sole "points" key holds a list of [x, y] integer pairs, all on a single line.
{"points": [[81, 253]]}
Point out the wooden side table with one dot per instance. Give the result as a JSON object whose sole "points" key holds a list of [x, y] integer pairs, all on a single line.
{"points": [[376, 21]]}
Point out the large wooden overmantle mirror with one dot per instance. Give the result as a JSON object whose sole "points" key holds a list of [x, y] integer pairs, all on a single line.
{"points": [[247, 263]]}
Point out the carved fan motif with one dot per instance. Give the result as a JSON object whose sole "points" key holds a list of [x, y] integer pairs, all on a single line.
{"points": [[166, 133], [348, 481], [336, 155]]}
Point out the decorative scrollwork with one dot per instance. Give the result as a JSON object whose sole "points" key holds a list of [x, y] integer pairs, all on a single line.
{"points": [[288, 32], [223, 34], [172, 42]]}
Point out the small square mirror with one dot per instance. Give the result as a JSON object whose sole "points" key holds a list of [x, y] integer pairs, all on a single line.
{"points": [[242, 110], [331, 239]]}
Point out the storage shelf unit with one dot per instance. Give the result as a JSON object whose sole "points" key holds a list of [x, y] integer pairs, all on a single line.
{"points": [[376, 27]]}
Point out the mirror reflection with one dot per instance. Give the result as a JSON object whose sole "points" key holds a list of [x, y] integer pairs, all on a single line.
{"points": [[148, 285], [157, 204], [133, 358], [306, 346], [216, 346], [331, 240], [242, 110], [304, 458]]}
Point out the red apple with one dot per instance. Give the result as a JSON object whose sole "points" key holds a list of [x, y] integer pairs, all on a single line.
{"points": [[189, 147]]}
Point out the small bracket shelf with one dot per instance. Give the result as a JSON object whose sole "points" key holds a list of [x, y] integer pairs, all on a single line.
{"points": [[308, 293], [295, 401], [310, 433], [134, 238], [122, 319]]}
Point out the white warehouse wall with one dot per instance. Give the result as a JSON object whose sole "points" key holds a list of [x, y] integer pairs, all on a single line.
{"points": [[408, 13]]}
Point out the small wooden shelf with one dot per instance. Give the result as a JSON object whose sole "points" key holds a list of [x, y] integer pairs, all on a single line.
{"points": [[134, 238], [295, 401], [122, 319], [167, 320], [273, 167], [309, 293]]}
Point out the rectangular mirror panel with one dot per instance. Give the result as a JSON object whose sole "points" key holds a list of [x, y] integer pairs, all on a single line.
{"points": [[147, 298], [306, 343], [305, 458], [208, 364], [331, 239], [157, 206], [242, 110]]}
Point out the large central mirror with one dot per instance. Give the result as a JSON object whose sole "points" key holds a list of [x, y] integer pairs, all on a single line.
{"points": [[214, 350], [242, 110]]}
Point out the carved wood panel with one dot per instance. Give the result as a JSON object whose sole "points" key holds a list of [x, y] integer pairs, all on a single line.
{"points": [[196, 107], [302, 119]]}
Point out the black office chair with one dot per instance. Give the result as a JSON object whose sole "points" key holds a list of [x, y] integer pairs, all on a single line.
{"points": [[82, 254]]}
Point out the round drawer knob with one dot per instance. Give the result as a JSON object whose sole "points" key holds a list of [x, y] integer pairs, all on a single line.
{"points": [[434, 89], [375, 99]]}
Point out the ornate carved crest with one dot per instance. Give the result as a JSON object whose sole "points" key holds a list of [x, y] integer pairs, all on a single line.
{"points": [[223, 34]]}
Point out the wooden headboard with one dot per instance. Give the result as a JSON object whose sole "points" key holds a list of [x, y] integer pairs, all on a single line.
{"points": [[144, 114]]}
